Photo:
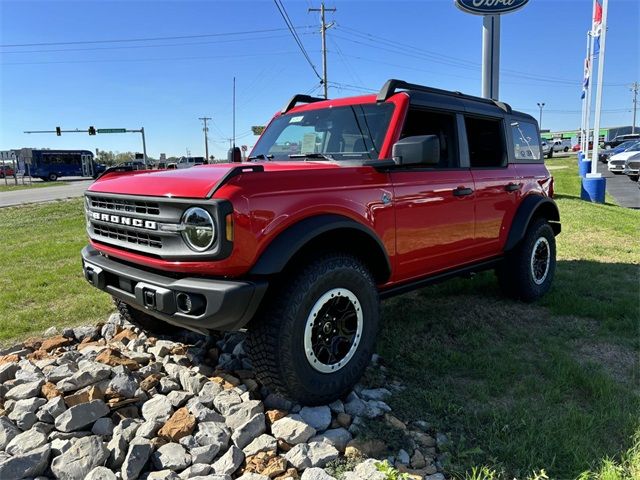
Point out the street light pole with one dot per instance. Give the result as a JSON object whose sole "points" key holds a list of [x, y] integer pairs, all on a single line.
{"points": [[540, 106]]}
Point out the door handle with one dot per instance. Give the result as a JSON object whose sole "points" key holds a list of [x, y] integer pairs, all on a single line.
{"points": [[512, 187], [462, 191]]}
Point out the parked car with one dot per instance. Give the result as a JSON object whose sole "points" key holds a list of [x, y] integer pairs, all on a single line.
{"points": [[617, 163], [188, 162], [604, 155], [6, 171], [620, 139], [343, 202], [563, 145], [576, 147], [632, 167]]}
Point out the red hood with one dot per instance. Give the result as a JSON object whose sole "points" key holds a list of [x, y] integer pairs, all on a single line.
{"points": [[195, 182]]}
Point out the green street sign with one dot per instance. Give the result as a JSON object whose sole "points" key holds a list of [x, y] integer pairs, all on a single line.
{"points": [[111, 130]]}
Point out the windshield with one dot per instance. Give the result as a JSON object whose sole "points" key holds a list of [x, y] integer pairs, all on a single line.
{"points": [[631, 146], [340, 133]]}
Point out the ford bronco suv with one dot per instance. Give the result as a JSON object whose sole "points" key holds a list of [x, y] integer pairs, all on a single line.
{"points": [[341, 203]]}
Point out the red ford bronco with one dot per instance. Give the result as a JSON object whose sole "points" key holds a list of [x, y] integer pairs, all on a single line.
{"points": [[342, 202]]}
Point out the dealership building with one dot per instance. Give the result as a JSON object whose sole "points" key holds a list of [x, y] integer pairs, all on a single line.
{"points": [[574, 135]]}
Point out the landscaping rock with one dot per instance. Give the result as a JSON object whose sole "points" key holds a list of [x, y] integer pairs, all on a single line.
{"points": [[171, 456], [139, 451], [83, 456], [292, 429], [318, 417], [315, 454], [81, 415], [228, 463], [30, 464]]}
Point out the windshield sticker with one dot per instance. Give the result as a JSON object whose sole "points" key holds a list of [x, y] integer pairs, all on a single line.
{"points": [[309, 143], [296, 119]]}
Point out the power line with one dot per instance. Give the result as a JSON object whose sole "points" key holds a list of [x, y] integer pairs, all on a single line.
{"points": [[147, 39], [292, 29], [161, 59], [126, 47]]}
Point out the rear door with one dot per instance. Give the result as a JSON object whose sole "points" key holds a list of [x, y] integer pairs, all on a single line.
{"points": [[497, 185], [434, 206]]}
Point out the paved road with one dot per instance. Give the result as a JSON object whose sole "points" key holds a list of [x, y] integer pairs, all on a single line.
{"points": [[44, 194], [621, 188]]}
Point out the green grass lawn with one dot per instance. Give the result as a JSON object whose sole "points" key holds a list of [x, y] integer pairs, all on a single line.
{"points": [[12, 186], [518, 388], [41, 282]]}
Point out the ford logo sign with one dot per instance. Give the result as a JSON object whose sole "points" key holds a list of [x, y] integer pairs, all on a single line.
{"points": [[490, 7]]}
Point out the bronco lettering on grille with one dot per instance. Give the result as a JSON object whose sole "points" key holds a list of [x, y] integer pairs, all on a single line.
{"points": [[120, 220]]}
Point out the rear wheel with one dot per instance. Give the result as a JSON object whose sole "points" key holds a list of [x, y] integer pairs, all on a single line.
{"points": [[566, 149], [52, 177], [314, 340], [143, 320], [528, 270]]}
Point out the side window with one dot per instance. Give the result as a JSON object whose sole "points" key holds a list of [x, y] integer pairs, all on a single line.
{"points": [[443, 125], [486, 142], [526, 143]]}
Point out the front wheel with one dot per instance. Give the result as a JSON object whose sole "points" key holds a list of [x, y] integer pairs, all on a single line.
{"points": [[527, 271], [314, 340], [53, 177]]}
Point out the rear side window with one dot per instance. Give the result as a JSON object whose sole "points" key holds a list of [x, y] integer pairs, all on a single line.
{"points": [[440, 124], [486, 142], [526, 143]]}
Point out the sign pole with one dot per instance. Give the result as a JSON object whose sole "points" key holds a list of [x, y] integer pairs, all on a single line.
{"points": [[144, 147], [491, 56], [596, 123]]}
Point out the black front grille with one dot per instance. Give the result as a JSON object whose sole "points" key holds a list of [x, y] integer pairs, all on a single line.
{"points": [[130, 236], [122, 205]]}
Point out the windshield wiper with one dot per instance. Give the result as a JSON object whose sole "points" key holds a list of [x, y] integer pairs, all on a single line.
{"points": [[318, 156], [260, 156]]}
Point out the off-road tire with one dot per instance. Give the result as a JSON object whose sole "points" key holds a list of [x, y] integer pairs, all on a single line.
{"points": [[515, 274], [276, 336], [143, 320]]}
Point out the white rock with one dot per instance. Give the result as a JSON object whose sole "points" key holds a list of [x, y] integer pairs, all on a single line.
{"points": [[158, 408], [316, 473], [26, 441], [103, 427], [306, 455], [25, 390], [252, 428], [213, 433], [263, 443], [292, 429], [171, 456], [101, 473], [7, 432], [228, 463], [375, 394], [338, 437], [30, 464], [318, 417], [84, 455], [81, 415], [139, 451]]}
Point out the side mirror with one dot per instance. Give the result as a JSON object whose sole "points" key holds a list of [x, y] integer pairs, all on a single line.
{"points": [[418, 150]]}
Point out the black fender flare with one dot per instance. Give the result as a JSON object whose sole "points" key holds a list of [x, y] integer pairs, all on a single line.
{"points": [[530, 207], [289, 242]]}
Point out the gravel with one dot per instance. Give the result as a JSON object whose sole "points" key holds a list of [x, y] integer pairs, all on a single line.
{"points": [[113, 403]]}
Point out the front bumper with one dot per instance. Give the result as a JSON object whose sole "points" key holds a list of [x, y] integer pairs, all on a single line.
{"points": [[217, 304], [615, 168]]}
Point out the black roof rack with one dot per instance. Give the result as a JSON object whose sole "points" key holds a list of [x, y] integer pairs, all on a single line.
{"points": [[391, 86], [300, 98]]}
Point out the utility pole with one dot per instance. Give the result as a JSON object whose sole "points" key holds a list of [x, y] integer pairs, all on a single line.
{"points": [[540, 106], [206, 140], [323, 32], [634, 88]]}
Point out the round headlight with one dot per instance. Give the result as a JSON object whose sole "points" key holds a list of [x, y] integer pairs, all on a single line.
{"points": [[199, 230]]}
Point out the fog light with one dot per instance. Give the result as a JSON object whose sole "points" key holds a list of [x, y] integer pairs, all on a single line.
{"points": [[187, 303]]}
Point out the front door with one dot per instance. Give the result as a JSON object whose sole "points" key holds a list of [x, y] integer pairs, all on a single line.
{"points": [[87, 166], [434, 206]]}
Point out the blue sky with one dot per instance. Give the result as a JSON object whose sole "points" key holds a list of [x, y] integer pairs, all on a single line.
{"points": [[165, 85]]}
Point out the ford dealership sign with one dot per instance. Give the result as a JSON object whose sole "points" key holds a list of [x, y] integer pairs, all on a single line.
{"points": [[490, 7]]}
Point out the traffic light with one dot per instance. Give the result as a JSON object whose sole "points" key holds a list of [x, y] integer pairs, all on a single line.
{"points": [[92, 130], [58, 131]]}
